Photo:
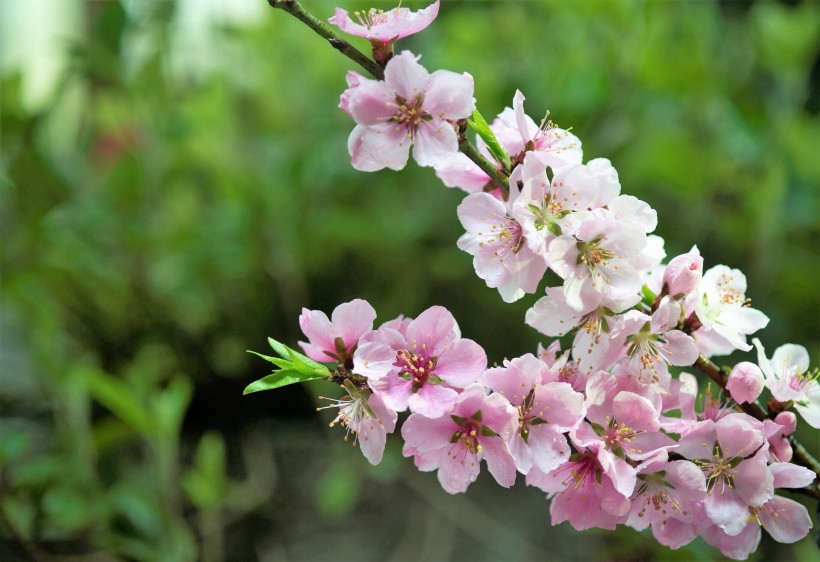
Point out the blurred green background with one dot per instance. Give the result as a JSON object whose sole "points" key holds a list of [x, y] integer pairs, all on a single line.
{"points": [[176, 187]]}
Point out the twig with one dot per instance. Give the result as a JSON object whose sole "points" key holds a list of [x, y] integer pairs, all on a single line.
{"points": [[800, 455], [295, 9]]}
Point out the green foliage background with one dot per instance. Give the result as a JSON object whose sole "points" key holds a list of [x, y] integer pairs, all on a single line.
{"points": [[185, 190]]}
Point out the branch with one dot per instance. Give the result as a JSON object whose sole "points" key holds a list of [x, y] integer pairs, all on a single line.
{"points": [[800, 456], [295, 9]]}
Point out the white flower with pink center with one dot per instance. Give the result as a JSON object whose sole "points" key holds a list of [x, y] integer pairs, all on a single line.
{"points": [[789, 379], [477, 427], [722, 306], [652, 342], [550, 145], [546, 410], [598, 256], [496, 240], [423, 368], [385, 26], [409, 107]]}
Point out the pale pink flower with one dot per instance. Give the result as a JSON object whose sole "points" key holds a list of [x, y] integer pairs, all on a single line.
{"points": [[552, 316], [777, 434], [653, 343], [788, 377], [365, 415], [667, 491], [422, 368], [335, 339], [745, 382], [545, 411], [409, 107], [552, 146], [722, 306], [477, 427], [683, 273], [582, 493], [784, 519], [598, 255], [496, 240], [385, 26], [733, 455]]}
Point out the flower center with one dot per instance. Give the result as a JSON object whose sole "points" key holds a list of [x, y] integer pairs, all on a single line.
{"points": [[372, 17], [719, 472], [417, 368], [620, 435], [509, 234], [409, 113]]}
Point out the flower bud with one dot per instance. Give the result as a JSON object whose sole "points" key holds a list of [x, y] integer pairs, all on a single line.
{"points": [[683, 273], [745, 382]]}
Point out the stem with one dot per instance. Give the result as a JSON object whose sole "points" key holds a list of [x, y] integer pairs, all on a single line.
{"points": [[295, 9], [471, 152], [800, 455]]}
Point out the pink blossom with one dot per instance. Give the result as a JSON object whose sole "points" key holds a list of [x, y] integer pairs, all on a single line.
{"points": [[598, 255], [496, 240], [409, 107], [788, 377], [336, 339], [745, 382], [545, 411], [733, 455], [477, 427], [667, 491], [683, 273], [385, 26], [365, 414], [582, 493], [552, 146], [422, 368], [785, 520], [722, 306], [653, 343], [777, 433]]}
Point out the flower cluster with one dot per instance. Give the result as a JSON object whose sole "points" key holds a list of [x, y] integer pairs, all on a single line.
{"points": [[607, 428]]}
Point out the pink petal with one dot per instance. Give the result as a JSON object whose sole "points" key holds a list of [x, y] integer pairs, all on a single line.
{"points": [[435, 329], [745, 382], [373, 360], [462, 364], [449, 95], [500, 462], [562, 407], [680, 349], [432, 400], [548, 446], [405, 76], [788, 475], [372, 438], [786, 521], [738, 435], [352, 319], [726, 510], [459, 171], [434, 142], [377, 147], [394, 390], [317, 327], [674, 533], [371, 103], [459, 468], [425, 434], [635, 411]]}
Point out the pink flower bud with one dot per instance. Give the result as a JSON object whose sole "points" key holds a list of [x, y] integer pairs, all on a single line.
{"points": [[745, 382], [683, 273], [788, 420]]}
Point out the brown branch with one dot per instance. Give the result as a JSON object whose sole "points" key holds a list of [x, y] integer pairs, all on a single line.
{"points": [[800, 455]]}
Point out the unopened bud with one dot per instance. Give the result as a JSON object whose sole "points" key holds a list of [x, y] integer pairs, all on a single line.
{"points": [[683, 273], [745, 382]]}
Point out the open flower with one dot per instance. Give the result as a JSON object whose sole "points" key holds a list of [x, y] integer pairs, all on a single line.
{"points": [[409, 107], [478, 427], [385, 26], [788, 377], [336, 338]]}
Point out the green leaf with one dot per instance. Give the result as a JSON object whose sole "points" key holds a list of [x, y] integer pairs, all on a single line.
{"points": [[459, 420], [278, 380], [288, 353], [480, 126], [648, 295], [554, 228], [487, 432], [434, 379], [476, 416]]}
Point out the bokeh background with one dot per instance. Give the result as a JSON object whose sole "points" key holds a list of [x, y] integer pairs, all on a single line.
{"points": [[176, 187]]}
